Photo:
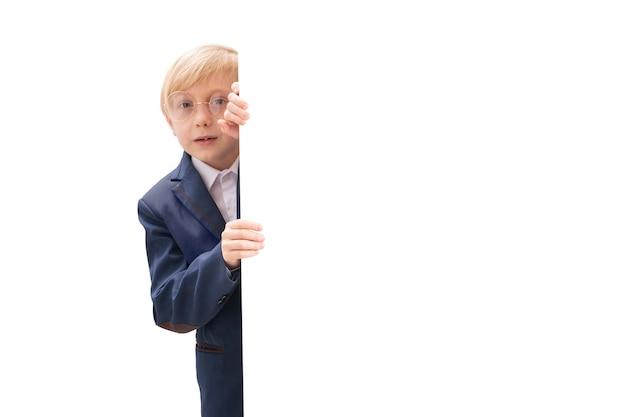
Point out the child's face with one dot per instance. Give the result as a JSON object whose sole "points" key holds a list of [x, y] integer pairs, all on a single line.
{"points": [[199, 134]]}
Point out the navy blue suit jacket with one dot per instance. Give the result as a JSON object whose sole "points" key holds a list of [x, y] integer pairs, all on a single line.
{"points": [[191, 287]]}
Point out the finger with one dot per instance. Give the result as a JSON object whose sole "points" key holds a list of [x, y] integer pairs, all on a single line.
{"points": [[232, 248], [229, 128], [242, 239], [247, 254], [244, 224], [234, 118], [237, 101], [235, 87], [237, 107], [233, 245]]}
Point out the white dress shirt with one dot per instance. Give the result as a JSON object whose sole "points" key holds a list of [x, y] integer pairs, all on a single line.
{"points": [[222, 186]]}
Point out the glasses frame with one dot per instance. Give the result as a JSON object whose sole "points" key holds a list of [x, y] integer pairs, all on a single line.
{"points": [[195, 105]]}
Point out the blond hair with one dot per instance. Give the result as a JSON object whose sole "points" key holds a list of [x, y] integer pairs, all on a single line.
{"points": [[196, 65]]}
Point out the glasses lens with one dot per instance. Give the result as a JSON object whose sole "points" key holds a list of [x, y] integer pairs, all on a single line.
{"points": [[217, 105], [180, 105]]}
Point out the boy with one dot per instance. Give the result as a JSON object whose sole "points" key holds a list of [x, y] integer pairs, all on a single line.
{"points": [[194, 238]]}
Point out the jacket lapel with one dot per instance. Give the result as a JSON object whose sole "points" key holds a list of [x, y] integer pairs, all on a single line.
{"points": [[190, 190]]}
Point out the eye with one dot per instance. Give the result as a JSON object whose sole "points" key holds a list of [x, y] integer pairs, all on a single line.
{"points": [[219, 101], [187, 104]]}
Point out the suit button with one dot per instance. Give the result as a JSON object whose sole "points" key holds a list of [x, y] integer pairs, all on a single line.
{"points": [[223, 299]]}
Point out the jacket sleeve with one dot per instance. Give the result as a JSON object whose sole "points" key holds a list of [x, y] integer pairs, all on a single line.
{"points": [[185, 295]]}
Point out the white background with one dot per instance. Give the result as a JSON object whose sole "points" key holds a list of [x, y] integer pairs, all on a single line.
{"points": [[441, 188]]}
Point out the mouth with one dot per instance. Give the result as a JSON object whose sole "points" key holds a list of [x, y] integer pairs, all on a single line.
{"points": [[205, 139]]}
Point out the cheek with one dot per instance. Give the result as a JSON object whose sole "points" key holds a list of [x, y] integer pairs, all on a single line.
{"points": [[183, 134], [180, 131]]}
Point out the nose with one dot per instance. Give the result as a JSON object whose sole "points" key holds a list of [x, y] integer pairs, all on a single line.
{"points": [[202, 114]]}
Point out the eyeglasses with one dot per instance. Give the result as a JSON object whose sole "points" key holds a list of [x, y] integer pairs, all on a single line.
{"points": [[181, 106]]}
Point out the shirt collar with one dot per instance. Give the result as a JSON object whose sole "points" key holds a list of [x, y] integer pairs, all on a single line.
{"points": [[210, 174]]}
